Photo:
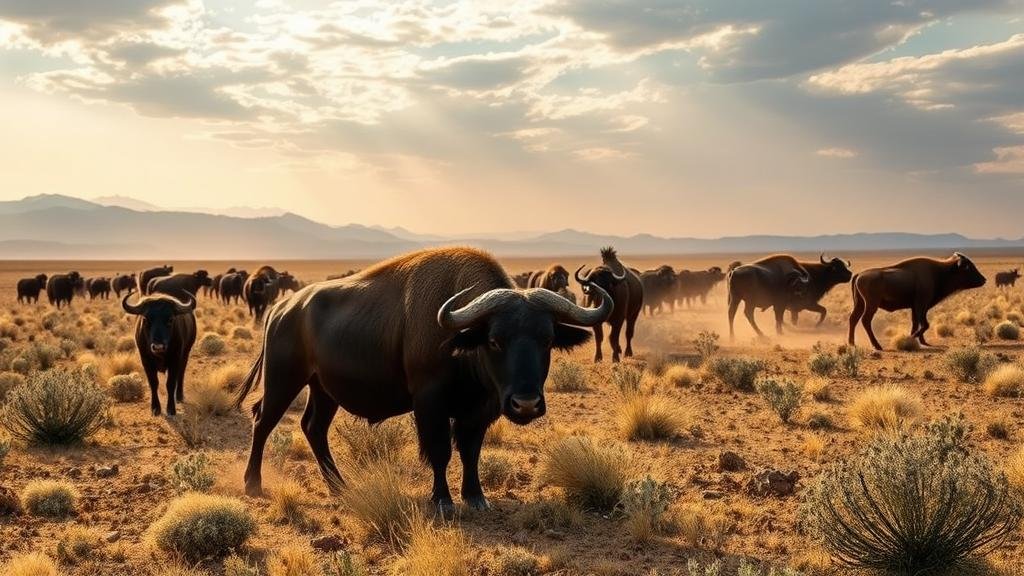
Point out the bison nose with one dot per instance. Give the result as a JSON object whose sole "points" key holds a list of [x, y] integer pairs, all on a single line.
{"points": [[525, 405], [157, 348]]}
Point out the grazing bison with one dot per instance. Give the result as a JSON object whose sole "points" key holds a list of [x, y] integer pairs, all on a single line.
{"points": [[232, 285], [522, 280], [123, 283], [29, 289], [691, 285], [61, 288], [98, 288], [775, 281], [825, 275], [261, 290], [182, 286], [915, 283], [1007, 278], [164, 335], [659, 288], [627, 294], [441, 333], [146, 275], [214, 288]]}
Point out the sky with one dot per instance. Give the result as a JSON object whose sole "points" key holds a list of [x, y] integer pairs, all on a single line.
{"points": [[697, 118]]}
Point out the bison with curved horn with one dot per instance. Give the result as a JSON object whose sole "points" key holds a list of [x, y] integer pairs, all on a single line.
{"points": [[164, 335], [627, 294], [915, 283], [774, 281], [442, 333], [29, 289], [824, 276]]}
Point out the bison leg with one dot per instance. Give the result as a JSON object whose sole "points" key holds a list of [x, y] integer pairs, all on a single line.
{"points": [[154, 385], [855, 316], [748, 311], [598, 338], [922, 326], [630, 330], [613, 341], [734, 304], [179, 387], [821, 310], [434, 431], [469, 439], [173, 375], [870, 309], [780, 317], [316, 422], [280, 387], [794, 316]]}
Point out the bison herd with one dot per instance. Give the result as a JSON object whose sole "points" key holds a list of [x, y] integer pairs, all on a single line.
{"points": [[448, 335]]}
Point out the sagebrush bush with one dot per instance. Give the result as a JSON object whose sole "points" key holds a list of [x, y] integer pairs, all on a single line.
{"points": [[912, 504], [9, 381], [885, 408], [197, 526], [31, 564], [592, 474], [1007, 330], [627, 379], [365, 443], [211, 344], [375, 495], [127, 387], [823, 363], [970, 364], [784, 397], [241, 333], [644, 504], [54, 407], [496, 470], [1007, 380], [192, 473], [736, 373], [652, 417], [706, 344], [51, 498], [568, 376]]}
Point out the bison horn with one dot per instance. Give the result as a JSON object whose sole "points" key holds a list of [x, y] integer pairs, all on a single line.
{"points": [[481, 307], [567, 312], [182, 307], [583, 279], [619, 277], [848, 263], [821, 257], [136, 308]]}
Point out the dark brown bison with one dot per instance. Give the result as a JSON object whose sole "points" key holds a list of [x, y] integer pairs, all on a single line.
{"points": [[232, 285], [825, 275], [915, 283], [554, 278], [98, 288], [775, 281], [522, 280], [261, 290], [692, 285], [184, 287], [146, 275], [1008, 278], [659, 288], [29, 289], [441, 333], [123, 283], [214, 288], [288, 283], [164, 334], [61, 288], [627, 294]]}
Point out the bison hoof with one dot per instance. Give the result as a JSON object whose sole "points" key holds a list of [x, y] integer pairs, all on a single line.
{"points": [[479, 503], [445, 508], [156, 410], [254, 489]]}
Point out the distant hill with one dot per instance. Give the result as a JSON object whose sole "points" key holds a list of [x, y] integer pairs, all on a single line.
{"points": [[54, 226]]}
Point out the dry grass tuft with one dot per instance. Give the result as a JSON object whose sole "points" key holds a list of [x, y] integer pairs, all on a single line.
{"points": [[51, 498], [31, 564], [9, 381], [1005, 381], [197, 526], [542, 515], [652, 417], [126, 387], [434, 551], [229, 377], [209, 398], [241, 333], [211, 344], [376, 497], [120, 364], [567, 376], [78, 543], [514, 561], [288, 504], [592, 473], [1014, 470], [885, 408], [906, 343], [818, 388], [814, 447], [702, 526], [293, 560], [681, 376], [366, 444]]}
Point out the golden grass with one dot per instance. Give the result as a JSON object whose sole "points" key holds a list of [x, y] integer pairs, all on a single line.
{"points": [[592, 473], [54, 498], [365, 443], [885, 408], [375, 496], [229, 377], [818, 388], [433, 551], [966, 317], [1006, 381], [653, 417], [814, 447], [701, 526], [120, 364], [1014, 469], [209, 398], [681, 376], [211, 344], [293, 560], [288, 503], [514, 561], [906, 343], [78, 543], [31, 564], [197, 526], [498, 433], [126, 387]]}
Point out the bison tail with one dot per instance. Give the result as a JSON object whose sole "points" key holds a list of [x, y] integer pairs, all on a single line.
{"points": [[250, 382]]}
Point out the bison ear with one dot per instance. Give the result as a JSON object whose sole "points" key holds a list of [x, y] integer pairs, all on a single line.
{"points": [[469, 339], [569, 337]]}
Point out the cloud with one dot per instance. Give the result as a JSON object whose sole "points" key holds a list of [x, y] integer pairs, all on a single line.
{"points": [[1009, 160], [841, 153], [53, 21]]}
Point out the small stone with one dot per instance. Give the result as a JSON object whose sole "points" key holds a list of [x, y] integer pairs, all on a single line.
{"points": [[107, 471], [74, 473], [729, 461], [712, 495], [773, 483], [328, 543], [554, 534], [112, 536]]}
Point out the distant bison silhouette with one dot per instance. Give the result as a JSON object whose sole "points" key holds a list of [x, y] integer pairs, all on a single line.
{"points": [[98, 288], [146, 275], [29, 289], [181, 286], [1007, 278], [123, 283], [61, 288]]}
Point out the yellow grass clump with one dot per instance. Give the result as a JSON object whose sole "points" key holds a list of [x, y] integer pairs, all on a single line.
{"points": [[293, 560], [434, 551], [31, 564], [78, 543], [126, 387], [514, 561], [366, 443], [9, 381], [967, 318], [288, 503], [592, 473], [52, 498], [197, 526], [229, 377], [1007, 381], [681, 376], [1014, 469], [652, 417], [120, 364], [885, 408], [906, 343], [376, 497], [818, 388], [209, 398], [814, 447]]}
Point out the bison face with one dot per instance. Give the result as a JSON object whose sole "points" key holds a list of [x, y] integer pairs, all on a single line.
{"points": [[559, 279], [157, 313], [600, 277], [839, 271], [203, 277], [965, 273], [511, 334]]}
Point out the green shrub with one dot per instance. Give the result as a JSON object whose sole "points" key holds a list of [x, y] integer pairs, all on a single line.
{"points": [[784, 398], [192, 473], [198, 526], [627, 379], [1007, 330], [970, 364], [568, 376], [54, 407], [49, 498], [912, 504], [823, 363], [126, 387], [706, 344], [736, 373], [644, 503], [849, 361]]}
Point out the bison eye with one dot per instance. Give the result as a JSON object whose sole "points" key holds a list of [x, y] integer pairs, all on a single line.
{"points": [[494, 344]]}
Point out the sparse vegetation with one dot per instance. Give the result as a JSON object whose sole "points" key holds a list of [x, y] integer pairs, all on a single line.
{"points": [[211, 344], [54, 407], [126, 387], [210, 398], [30, 564], [969, 364], [652, 417], [818, 388], [592, 474], [885, 408], [366, 444], [434, 551], [1008, 330], [567, 376], [736, 373], [823, 363], [1007, 380], [376, 497], [644, 504], [783, 397], [78, 543], [51, 498], [627, 379], [293, 560], [197, 526], [192, 473], [9, 381], [706, 345], [681, 376], [906, 343]]}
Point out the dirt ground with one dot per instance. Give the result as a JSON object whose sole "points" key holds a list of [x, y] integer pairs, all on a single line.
{"points": [[762, 529]]}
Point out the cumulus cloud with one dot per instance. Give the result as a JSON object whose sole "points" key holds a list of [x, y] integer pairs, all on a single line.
{"points": [[841, 153]]}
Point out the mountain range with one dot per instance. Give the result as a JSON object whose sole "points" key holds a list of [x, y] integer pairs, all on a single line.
{"points": [[52, 226]]}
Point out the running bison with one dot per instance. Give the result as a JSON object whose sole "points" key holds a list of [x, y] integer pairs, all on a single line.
{"points": [[184, 287], [627, 294], [775, 281], [1007, 278], [98, 288], [164, 334], [659, 289], [61, 288], [29, 289], [825, 275], [441, 333], [915, 283], [691, 285], [146, 275], [123, 283]]}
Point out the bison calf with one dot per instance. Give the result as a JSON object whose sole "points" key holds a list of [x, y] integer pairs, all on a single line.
{"points": [[164, 334], [917, 284]]}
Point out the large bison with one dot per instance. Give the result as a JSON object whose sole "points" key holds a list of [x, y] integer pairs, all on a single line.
{"points": [[825, 275], [261, 290], [440, 332], [627, 294], [775, 281], [915, 283], [164, 334], [659, 288], [691, 285], [98, 288], [214, 288], [182, 286], [554, 278], [29, 289], [232, 285], [61, 288], [1008, 278], [146, 275], [123, 283]]}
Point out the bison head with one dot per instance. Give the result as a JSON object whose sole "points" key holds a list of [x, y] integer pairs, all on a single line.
{"points": [[512, 332], [559, 278], [965, 273], [836, 269], [41, 279], [157, 313], [203, 277], [603, 277]]}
